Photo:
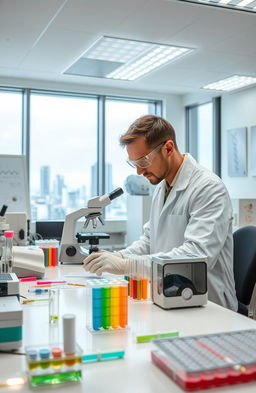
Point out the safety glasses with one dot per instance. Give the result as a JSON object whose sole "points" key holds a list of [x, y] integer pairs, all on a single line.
{"points": [[145, 161]]}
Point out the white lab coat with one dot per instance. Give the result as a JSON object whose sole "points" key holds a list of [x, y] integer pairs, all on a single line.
{"points": [[196, 219]]}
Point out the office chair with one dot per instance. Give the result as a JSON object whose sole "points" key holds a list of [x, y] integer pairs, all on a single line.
{"points": [[245, 269]]}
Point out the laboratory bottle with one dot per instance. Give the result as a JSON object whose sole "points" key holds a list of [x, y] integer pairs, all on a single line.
{"points": [[3, 227], [8, 252]]}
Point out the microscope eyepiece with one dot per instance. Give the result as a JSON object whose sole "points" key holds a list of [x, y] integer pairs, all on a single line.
{"points": [[116, 193]]}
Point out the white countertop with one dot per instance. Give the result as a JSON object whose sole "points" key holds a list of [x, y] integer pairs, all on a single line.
{"points": [[135, 372]]}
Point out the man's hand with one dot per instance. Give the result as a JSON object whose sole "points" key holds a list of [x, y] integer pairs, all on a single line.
{"points": [[104, 261]]}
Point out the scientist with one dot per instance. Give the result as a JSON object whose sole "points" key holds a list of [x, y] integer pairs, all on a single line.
{"points": [[190, 214]]}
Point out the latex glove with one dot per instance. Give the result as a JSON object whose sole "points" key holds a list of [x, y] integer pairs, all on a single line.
{"points": [[99, 262]]}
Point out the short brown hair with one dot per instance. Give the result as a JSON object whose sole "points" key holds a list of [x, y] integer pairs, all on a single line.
{"points": [[155, 130]]}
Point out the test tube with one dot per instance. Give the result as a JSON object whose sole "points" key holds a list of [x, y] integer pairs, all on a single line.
{"points": [[106, 306], [54, 298], [115, 306], [96, 308], [7, 254], [123, 289], [144, 281], [139, 279]]}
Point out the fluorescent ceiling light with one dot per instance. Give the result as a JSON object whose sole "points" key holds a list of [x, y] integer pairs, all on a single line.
{"points": [[119, 58], [232, 83], [242, 5]]}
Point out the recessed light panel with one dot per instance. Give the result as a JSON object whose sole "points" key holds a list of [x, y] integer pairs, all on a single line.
{"points": [[131, 59], [242, 5], [232, 83]]}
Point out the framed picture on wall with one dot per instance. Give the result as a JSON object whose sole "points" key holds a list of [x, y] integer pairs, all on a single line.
{"points": [[247, 212], [253, 150], [237, 152]]}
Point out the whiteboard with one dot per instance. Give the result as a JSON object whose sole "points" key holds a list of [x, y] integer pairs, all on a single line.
{"points": [[14, 190]]}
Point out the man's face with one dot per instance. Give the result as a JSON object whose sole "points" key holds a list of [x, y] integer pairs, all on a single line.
{"points": [[158, 168]]}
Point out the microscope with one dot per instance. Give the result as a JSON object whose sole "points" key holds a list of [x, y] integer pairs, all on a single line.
{"points": [[71, 249]]}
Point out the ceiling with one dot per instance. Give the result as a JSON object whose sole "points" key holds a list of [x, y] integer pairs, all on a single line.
{"points": [[41, 39]]}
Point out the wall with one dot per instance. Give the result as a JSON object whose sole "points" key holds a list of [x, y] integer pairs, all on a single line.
{"points": [[238, 110], [175, 114]]}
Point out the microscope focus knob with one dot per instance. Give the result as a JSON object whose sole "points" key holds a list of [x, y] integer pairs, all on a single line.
{"points": [[71, 251]]}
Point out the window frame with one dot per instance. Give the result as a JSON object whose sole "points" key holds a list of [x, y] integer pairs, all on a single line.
{"points": [[191, 137]]}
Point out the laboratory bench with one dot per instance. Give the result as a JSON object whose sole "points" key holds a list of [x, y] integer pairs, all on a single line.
{"points": [[135, 372]]}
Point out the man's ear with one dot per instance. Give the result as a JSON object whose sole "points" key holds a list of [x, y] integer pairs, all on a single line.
{"points": [[169, 146]]}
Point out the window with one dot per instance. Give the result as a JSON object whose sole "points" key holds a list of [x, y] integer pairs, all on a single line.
{"points": [[63, 154], [119, 116], [72, 145], [11, 122], [203, 134]]}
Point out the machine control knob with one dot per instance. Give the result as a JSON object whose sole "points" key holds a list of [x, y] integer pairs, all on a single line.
{"points": [[21, 234], [187, 293], [71, 251]]}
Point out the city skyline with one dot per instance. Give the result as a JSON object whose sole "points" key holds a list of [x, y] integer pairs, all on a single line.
{"points": [[55, 198]]}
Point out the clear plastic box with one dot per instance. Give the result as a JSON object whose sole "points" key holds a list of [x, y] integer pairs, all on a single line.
{"points": [[50, 365], [207, 361], [106, 305]]}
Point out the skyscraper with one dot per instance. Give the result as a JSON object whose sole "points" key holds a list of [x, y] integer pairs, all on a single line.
{"points": [[58, 187], [45, 181]]}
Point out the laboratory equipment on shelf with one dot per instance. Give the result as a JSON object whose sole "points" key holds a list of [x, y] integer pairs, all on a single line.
{"points": [[208, 361], [71, 249], [180, 281]]}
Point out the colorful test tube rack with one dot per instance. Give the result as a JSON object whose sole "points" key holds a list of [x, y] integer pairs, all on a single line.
{"points": [[138, 287], [107, 304], [50, 249], [50, 365]]}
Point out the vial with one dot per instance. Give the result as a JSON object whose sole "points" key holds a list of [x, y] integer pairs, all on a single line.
{"points": [[3, 227], [54, 300], [7, 258]]}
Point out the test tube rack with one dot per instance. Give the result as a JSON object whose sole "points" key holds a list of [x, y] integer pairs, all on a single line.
{"points": [[138, 282], [106, 305], [207, 361], [50, 249], [137, 287], [50, 365]]}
